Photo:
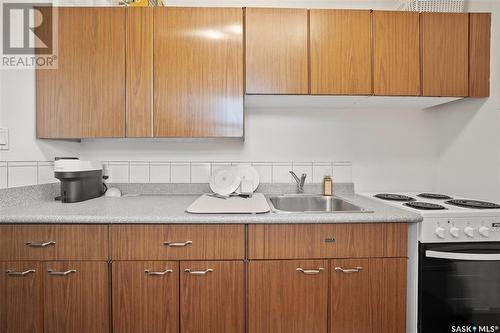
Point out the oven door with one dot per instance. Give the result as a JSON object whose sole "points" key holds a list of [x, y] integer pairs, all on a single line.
{"points": [[459, 287]]}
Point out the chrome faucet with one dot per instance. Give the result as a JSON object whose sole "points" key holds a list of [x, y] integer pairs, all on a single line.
{"points": [[300, 181]]}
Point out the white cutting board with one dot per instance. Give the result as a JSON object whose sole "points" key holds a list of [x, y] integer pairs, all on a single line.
{"points": [[234, 205]]}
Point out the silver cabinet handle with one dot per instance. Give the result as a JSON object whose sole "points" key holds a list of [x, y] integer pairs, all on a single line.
{"points": [[10, 272], [310, 271], [356, 269], [52, 272], [148, 272], [205, 272], [35, 244], [173, 244]]}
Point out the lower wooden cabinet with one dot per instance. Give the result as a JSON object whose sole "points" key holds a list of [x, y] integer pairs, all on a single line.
{"points": [[145, 296], [21, 307], [212, 296], [368, 295], [287, 296], [76, 297]]}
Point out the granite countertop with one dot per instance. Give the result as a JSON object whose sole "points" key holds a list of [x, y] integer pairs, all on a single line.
{"points": [[171, 208]]}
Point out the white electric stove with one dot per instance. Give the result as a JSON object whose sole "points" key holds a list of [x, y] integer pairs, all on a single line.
{"points": [[454, 262]]}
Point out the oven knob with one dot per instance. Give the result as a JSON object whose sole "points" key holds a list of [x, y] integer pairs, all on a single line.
{"points": [[484, 231], [455, 232], [469, 231], [440, 232]]}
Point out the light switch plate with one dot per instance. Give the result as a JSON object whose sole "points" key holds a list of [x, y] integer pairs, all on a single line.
{"points": [[4, 138]]}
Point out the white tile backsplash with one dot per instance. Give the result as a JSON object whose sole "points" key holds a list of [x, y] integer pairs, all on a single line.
{"points": [[22, 174], [180, 173], [281, 173], [200, 172], [25, 173], [139, 172], [265, 171], [3, 176], [159, 172]]}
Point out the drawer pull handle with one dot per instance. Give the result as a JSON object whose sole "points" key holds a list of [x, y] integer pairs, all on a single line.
{"points": [[148, 272], [173, 244], [35, 244], [349, 270], [52, 272], [9, 272], [310, 271], [205, 272]]}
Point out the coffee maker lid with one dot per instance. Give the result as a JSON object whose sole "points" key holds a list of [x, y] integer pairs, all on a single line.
{"points": [[71, 165]]}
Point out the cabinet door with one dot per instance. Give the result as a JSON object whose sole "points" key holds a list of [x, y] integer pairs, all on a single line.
{"points": [[85, 95], [145, 296], [20, 297], [340, 44], [139, 72], [198, 72], [287, 296], [276, 51], [368, 295], [479, 54], [76, 297], [445, 49], [212, 296], [396, 59]]}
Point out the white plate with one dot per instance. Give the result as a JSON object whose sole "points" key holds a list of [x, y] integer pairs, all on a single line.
{"points": [[225, 181], [248, 173]]}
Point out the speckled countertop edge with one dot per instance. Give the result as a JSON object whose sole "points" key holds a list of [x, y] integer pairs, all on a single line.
{"points": [[151, 208]]}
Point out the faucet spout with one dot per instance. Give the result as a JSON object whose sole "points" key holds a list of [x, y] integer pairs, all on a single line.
{"points": [[300, 181]]}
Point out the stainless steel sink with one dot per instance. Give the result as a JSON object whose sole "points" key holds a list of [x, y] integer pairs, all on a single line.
{"points": [[303, 203]]}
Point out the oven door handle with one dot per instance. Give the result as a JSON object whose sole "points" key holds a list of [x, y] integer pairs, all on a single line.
{"points": [[463, 256]]}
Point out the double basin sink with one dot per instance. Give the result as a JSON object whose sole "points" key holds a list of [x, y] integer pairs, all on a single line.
{"points": [[309, 203]]}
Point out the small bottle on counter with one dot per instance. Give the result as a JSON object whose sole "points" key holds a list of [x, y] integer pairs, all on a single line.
{"points": [[327, 186]]}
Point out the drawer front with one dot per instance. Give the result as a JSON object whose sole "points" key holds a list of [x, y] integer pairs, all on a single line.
{"points": [[301, 241], [179, 242], [54, 242]]}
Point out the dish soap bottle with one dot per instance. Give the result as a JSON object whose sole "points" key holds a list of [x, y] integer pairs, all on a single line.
{"points": [[327, 186]]}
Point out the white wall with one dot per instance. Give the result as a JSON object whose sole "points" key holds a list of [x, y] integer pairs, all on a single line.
{"points": [[392, 148]]}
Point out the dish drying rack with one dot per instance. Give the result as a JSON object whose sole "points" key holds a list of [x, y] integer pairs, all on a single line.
{"points": [[432, 5]]}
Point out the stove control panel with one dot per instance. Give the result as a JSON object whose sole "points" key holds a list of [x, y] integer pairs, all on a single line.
{"points": [[471, 229]]}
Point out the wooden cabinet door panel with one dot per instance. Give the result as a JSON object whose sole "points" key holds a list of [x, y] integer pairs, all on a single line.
{"points": [[198, 72], [212, 296], [276, 51], [283, 299], [479, 54], [21, 308], [396, 67], [85, 95], [445, 49], [368, 295], [145, 301], [139, 72], [77, 302], [54, 242], [340, 46]]}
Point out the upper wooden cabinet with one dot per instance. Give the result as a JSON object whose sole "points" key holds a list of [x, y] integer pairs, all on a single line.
{"points": [[85, 96], [396, 53], [139, 80], [445, 54], [479, 54], [198, 72], [341, 57], [276, 51]]}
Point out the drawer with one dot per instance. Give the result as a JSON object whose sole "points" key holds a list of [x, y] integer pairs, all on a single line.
{"points": [[177, 242], [54, 242], [302, 241]]}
